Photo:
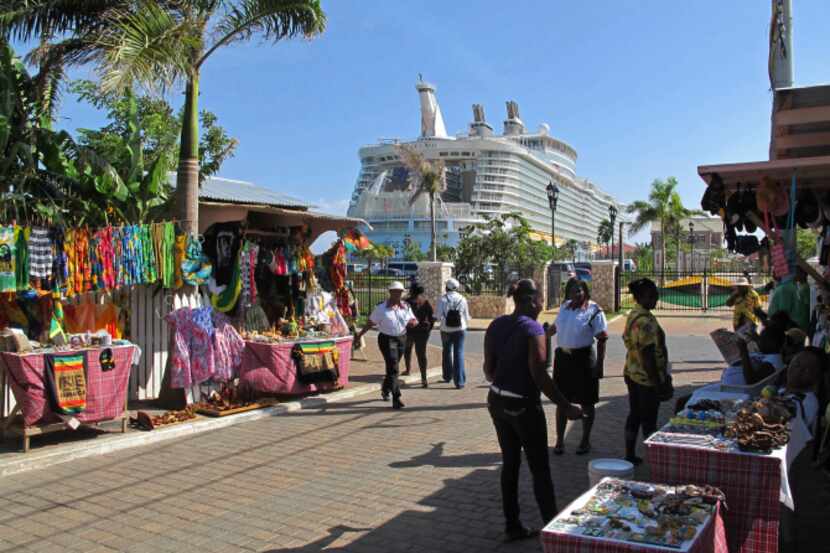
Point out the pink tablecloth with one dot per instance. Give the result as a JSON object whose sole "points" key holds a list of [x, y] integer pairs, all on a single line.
{"points": [[712, 539], [751, 483], [277, 359], [106, 392]]}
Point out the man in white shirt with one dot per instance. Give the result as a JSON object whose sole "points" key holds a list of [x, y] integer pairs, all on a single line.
{"points": [[454, 315], [391, 318]]}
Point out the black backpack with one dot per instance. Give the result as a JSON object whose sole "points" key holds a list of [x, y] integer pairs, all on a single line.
{"points": [[453, 316]]}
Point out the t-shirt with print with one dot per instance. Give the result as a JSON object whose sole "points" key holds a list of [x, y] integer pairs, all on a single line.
{"points": [[8, 259], [510, 336], [643, 330]]}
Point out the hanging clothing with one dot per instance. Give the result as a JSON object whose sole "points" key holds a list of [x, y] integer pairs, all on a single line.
{"points": [[22, 258], [222, 243], [192, 358], [8, 259], [227, 346], [41, 255]]}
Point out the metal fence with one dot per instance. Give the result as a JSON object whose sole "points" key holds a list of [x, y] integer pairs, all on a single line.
{"points": [[692, 291], [370, 290]]}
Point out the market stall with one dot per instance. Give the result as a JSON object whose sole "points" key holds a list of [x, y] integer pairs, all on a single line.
{"points": [[100, 395], [627, 517], [743, 447]]}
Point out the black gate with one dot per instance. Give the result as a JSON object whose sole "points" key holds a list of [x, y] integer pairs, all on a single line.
{"points": [[690, 290]]}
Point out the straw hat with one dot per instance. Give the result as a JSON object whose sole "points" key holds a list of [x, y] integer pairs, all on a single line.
{"points": [[396, 285], [741, 282]]}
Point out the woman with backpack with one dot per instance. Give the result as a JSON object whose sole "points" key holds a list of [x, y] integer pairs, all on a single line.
{"points": [[454, 316], [646, 366], [577, 365]]}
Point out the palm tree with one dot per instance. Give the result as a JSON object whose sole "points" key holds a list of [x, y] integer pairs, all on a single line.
{"points": [[605, 233], [664, 206], [157, 44], [426, 177], [572, 245]]}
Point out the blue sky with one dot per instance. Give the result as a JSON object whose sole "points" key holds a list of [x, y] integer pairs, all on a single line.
{"points": [[642, 89]]}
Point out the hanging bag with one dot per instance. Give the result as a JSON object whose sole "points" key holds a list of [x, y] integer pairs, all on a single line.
{"points": [[778, 255]]}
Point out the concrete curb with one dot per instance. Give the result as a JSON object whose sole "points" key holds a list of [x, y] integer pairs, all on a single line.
{"points": [[111, 443]]}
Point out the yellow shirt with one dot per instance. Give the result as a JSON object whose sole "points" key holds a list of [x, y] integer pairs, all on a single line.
{"points": [[744, 308], [643, 330]]}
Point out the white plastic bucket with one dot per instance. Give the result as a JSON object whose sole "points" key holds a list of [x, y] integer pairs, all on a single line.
{"points": [[616, 468]]}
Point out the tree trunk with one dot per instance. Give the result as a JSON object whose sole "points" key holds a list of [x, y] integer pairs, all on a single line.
{"points": [[433, 246], [187, 177]]}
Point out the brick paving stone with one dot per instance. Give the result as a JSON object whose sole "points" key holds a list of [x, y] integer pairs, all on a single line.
{"points": [[352, 477]]}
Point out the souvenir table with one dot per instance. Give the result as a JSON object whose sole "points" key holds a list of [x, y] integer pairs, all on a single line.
{"points": [[277, 358], [625, 516], [754, 482], [106, 390]]}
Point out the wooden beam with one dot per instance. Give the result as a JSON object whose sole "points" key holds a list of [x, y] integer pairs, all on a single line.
{"points": [[802, 116], [804, 140]]}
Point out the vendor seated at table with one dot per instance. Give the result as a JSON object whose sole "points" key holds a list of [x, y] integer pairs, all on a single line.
{"points": [[803, 382], [752, 368]]}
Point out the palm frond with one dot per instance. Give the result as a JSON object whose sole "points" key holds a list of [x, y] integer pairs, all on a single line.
{"points": [[27, 20], [273, 19], [149, 46]]}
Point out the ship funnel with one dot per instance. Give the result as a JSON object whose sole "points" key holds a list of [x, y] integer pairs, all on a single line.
{"points": [[432, 123], [479, 126], [513, 125]]}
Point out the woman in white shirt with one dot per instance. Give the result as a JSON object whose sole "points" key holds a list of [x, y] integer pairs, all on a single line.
{"points": [[577, 369], [454, 316], [391, 318]]}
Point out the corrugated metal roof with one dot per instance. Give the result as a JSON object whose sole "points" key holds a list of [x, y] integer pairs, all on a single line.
{"points": [[241, 192], [237, 191]]}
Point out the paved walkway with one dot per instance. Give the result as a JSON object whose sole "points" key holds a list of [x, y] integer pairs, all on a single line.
{"points": [[354, 477]]}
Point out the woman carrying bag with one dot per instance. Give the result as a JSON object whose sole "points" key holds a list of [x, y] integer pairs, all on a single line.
{"points": [[577, 365], [646, 366]]}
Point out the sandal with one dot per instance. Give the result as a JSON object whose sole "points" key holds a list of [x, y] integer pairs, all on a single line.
{"points": [[584, 449], [558, 449]]}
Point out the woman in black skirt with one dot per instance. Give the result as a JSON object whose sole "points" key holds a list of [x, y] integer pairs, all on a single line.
{"points": [[577, 367]]}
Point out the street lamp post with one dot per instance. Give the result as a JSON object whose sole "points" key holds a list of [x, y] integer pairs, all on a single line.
{"points": [[553, 199], [612, 215], [692, 245]]}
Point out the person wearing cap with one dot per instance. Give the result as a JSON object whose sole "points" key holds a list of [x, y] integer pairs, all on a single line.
{"points": [[454, 315], [392, 318], [745, 302], [418, 336]]}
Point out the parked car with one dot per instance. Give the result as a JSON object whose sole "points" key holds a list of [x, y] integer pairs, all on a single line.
{"points": [[354, 268], [407, 268], [584, 274], [388, 272], [629, 266]]}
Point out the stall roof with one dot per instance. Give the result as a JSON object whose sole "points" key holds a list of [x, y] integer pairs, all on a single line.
{"points": [[809, 171], [241, 192], [316, 221]]}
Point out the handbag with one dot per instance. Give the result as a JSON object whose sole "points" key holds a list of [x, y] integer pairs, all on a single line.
{"points": [[596, 371]]}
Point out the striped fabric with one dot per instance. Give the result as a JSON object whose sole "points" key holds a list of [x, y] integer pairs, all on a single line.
{"points": [[40, 253], [68, 382]]}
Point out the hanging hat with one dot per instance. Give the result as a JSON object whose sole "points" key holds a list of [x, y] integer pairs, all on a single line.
{"points": [[733, 209], [713, 199], [772, 197], [807, 212]]}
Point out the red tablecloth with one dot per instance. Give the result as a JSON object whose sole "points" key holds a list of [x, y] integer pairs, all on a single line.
{"points": [[106, 392], [751, 483], [712, 539], [277, 359]]}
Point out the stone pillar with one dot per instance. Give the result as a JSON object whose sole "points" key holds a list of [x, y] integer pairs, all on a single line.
{"points": [[540, 276], [602, 284], [433, 276]]}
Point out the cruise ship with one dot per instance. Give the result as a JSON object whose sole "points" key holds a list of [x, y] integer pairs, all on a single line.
{"points": [[487, 175]]}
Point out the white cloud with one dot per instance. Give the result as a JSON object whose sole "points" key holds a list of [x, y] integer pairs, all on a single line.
{"points": [[332, 206]]}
